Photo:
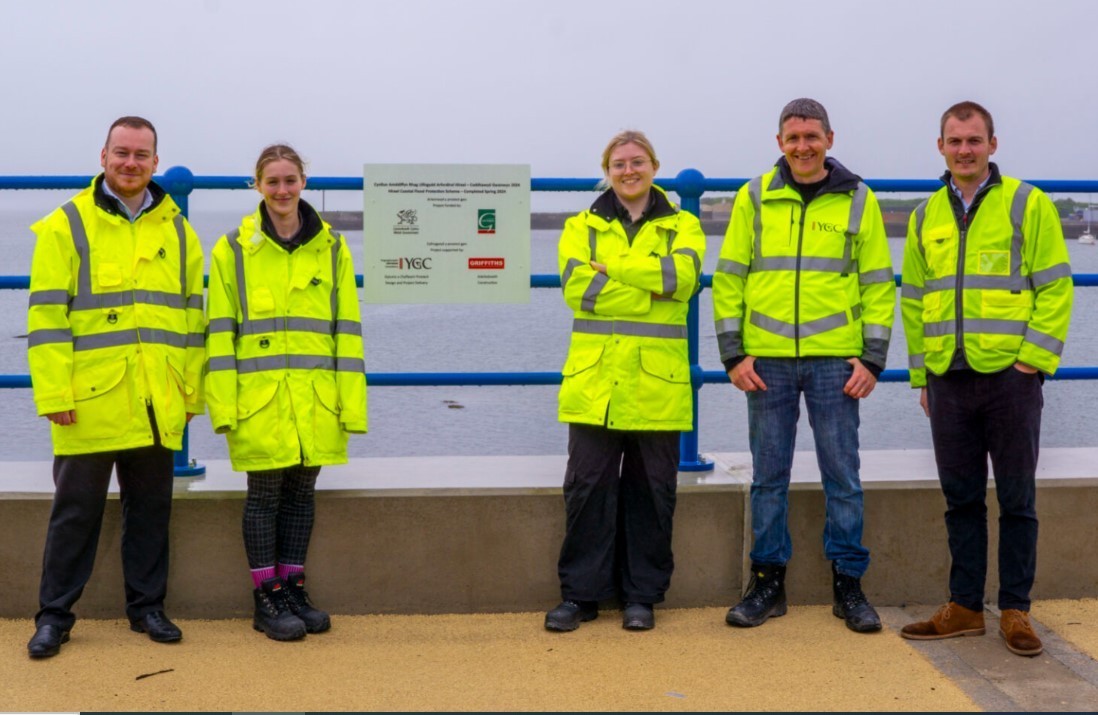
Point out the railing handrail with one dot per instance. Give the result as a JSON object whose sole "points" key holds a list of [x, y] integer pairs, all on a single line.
{"points": [[689, 184]]}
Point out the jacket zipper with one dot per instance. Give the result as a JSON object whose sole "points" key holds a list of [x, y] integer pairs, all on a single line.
{"points": [[797, 287]]}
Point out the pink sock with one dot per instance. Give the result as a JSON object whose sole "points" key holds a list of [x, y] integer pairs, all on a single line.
{"points": [[287, 570], [261, 575]]}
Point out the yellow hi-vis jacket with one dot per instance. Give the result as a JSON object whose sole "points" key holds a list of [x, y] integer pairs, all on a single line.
{"points": [[286, 378], [1001, 286], [803, 281], [627, 366], [115, 323]]}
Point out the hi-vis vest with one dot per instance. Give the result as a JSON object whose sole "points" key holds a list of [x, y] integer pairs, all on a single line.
{"points": [[627, 366], [115, 324], [286, 377], [1002, 288], [800, 281]]}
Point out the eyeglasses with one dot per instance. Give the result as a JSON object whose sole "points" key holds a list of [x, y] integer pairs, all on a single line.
{"points": [[634, 164]]}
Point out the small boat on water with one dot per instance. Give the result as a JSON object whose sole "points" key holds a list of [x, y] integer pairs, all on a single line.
{"points": [[1087, 237]]}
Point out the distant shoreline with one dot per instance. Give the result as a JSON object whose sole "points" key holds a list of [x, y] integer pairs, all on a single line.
{"points": [[352, 221]]}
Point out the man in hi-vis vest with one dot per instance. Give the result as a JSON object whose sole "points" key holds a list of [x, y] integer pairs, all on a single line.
{"points": [[116, 349], [986, 301], [803, 300]]}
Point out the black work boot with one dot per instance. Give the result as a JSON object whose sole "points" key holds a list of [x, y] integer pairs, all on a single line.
{"points": [[851, 604], [272, 612], [570, 614], [316, 620], [765, 597]]}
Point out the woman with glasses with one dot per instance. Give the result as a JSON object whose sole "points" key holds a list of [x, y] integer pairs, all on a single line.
{"points": [[629, 265], [286, 381]]}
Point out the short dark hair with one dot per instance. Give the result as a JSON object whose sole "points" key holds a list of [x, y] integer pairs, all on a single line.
{"points": [[804, 108], [132, 123], [964, 111]]}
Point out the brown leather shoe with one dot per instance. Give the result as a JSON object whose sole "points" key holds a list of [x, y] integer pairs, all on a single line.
{"points": [[950, 621], [1015, 628]]}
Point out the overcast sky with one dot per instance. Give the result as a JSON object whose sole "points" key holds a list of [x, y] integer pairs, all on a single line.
{"points": [[546, 83]]}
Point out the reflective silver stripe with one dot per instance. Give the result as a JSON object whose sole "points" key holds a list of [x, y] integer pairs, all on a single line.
{"points": [[806, 329], [773, 325], [754, 192], [937, 284], [878, 332], [283, 362], [238, 256], [196, 340], [93, 301], [730, 345], [279, 325], [49, 297], [994, 326], [1048, 275], [349, 327], [573, 264], [347, 364], [875, 351], [80, 242], [181, 232], [591, 240], [332, 326], [920, 215], [1044, 340], [45, 337], [130, 337], [857, 208], [1017, 216], [1010, 283], [670, 275], [628, 327], [911, 292], [728, 325], [881, 275], [733, 268], [939, 328], [789, 263], [598, 282], [693, 254], [195, 301], [222, 325], [916, 361], [215, 364], [157, 297]]}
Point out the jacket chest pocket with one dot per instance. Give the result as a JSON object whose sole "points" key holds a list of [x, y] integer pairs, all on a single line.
{"points": [[940, 246]]}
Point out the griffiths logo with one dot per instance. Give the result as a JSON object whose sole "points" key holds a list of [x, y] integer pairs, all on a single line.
{"points": [[486, 220], [828, 227], [486, 264]]}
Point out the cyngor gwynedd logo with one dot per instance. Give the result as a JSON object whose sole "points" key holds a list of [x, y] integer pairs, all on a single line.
{"points": [[486, 220]]}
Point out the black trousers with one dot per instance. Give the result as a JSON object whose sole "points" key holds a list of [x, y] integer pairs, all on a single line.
{"points": [[619, 499], [80, 496], [279, 512], [974, 416]]}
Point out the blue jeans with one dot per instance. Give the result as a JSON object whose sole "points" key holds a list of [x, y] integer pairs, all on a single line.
{"points": [[772, 416]]}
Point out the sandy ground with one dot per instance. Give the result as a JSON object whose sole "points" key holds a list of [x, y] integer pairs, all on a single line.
{"points": [[806, 660]]}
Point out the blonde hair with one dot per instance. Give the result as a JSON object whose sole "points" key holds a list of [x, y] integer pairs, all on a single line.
{"points": [[629, 136], [277, 152]]}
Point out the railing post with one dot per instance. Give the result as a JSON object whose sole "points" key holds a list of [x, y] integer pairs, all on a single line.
{"points": [[178, 181], [690, 185]]}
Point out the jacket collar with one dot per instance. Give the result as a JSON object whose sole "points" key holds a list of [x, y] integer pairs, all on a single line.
{"points": [[839, 178], [110, 204], [659, 206], [994, 178]]}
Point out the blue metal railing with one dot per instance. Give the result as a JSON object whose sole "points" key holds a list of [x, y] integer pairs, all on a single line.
{"points": [[689, 184]]}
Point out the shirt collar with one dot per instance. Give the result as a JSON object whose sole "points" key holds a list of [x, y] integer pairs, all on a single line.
{"points": [[953, 187], [146, 202]]}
